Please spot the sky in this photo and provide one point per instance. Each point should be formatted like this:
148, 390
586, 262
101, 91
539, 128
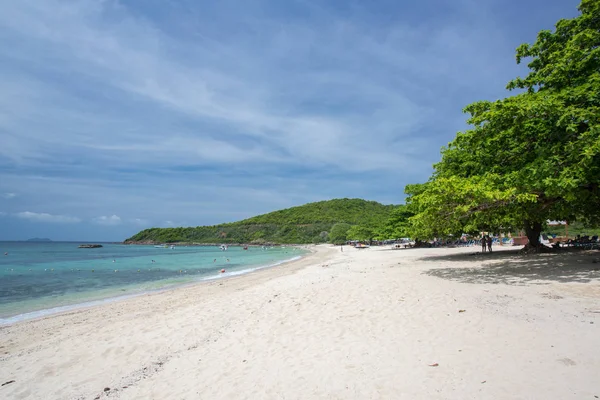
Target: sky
120, 115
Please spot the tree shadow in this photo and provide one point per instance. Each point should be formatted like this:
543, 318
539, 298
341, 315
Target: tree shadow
513, 268
477, 255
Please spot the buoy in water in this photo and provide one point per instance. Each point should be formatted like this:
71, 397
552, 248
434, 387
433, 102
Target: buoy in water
223, 270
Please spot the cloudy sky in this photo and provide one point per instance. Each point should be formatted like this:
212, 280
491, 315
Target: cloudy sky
118, 115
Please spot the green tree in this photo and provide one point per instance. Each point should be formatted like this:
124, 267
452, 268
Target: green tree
338, 232
361, 232
532, 156
397, 225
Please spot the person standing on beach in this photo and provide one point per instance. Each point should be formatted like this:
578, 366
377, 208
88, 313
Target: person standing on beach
489, 243
483, 243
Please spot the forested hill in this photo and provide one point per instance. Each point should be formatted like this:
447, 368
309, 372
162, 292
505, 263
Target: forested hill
309, 223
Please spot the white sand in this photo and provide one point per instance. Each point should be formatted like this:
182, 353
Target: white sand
366, 326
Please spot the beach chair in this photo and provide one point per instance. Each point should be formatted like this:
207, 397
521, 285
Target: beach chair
591, 243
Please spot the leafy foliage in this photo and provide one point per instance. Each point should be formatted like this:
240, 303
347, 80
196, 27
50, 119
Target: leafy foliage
397, 226
532, 156
310, 223
338, 233
361, 232
352, 211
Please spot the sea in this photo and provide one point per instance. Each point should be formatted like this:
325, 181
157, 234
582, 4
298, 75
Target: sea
41, 278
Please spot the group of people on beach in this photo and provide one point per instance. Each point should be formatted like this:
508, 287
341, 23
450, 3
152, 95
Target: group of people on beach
486, 241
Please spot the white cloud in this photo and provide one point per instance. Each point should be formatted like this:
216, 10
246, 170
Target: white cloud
9, 195
45, 217
107, 220
259, 102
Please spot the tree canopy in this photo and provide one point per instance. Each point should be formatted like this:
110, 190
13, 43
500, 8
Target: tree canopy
397, 226
361, 232
338, 233
529, 157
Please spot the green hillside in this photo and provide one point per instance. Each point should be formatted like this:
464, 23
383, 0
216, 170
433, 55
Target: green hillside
309, 223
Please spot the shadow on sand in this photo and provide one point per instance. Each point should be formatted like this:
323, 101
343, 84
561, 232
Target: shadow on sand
513, 268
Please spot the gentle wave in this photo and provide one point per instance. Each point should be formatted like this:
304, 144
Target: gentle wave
61, 309
247, 270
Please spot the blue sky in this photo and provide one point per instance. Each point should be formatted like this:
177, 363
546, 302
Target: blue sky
118, 115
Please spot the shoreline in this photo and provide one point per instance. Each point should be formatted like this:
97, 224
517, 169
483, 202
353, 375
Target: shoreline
95, 302
197, 244
359, 324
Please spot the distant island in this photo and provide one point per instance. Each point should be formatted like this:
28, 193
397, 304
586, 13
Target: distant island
38, 240
309, 223
90, 246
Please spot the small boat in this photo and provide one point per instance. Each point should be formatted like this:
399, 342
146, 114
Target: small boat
223, 247
172, 247
161, 246
83, 246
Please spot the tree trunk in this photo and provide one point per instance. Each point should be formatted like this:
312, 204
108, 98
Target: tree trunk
533, 231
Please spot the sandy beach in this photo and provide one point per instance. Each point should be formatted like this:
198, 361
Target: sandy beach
359, 324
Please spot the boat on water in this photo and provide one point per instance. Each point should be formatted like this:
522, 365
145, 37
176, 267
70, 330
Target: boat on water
161, 246
86, 246
223, 247
172, 247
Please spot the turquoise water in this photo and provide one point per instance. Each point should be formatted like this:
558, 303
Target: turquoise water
38, 278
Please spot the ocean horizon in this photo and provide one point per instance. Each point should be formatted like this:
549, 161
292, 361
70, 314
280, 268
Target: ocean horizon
43, 277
